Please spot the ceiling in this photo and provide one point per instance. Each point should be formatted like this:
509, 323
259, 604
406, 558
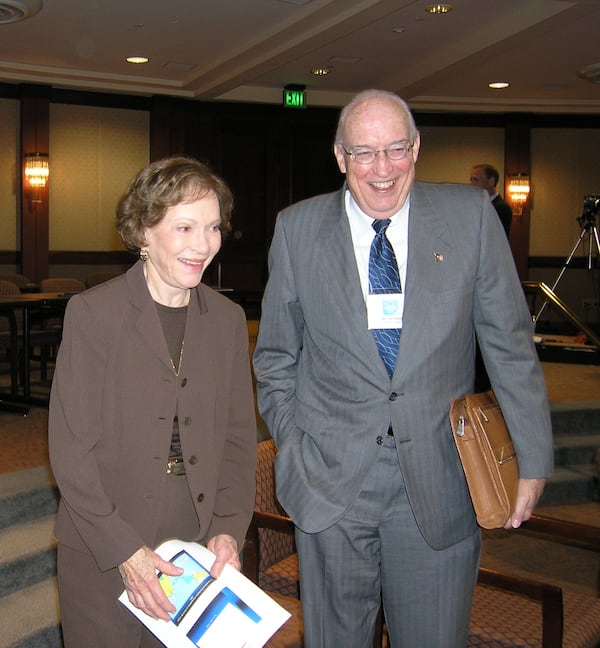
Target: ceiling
247, 50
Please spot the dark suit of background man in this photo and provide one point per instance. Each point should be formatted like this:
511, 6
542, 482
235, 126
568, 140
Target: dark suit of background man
366, 463
486, 177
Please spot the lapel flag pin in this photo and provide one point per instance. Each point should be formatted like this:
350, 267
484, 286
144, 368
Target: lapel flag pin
438, 257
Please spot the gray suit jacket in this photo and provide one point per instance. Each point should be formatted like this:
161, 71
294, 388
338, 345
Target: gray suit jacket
325, 393
112, 405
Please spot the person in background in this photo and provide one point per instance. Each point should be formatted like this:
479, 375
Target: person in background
486, 177
152, 430
374, 296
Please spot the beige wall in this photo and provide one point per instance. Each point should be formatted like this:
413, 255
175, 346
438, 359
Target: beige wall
447, 154
565, 167
94, 152
9, 146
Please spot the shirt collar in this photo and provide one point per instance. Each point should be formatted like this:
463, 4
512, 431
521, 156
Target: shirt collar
363, 222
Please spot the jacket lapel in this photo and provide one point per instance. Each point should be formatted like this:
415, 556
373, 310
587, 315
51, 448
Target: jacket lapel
147, 320
427, 241
335, 252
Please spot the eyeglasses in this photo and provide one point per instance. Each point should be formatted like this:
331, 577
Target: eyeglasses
366, 155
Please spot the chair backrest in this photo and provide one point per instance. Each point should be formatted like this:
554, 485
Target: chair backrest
266, 500
8, 288
18, 279
62, 284
274, 546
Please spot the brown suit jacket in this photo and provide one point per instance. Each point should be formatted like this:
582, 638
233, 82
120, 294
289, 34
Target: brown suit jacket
112, 404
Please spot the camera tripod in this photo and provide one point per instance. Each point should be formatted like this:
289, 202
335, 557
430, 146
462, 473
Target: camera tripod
589, 231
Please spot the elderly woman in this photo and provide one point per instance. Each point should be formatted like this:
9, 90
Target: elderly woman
152, 428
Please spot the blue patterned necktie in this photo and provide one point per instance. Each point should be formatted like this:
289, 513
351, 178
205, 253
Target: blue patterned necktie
384, 279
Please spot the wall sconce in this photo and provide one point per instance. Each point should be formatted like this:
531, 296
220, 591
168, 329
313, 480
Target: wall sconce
36, 170
518, 190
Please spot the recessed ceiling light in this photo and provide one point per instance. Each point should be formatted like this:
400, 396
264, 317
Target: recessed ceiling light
137, 59
498, 85
590, 73
12, 11
320, 71
438, 8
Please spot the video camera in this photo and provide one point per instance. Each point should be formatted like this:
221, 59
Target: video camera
591, 206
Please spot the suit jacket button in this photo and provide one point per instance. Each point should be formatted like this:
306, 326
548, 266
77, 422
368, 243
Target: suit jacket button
379, 440
187, 420
200, 497
393, 396
184, 382
193, 460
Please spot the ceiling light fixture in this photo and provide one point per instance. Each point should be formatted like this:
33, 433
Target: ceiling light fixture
590, 73
321, 71
438, 8
15, 10
137, 60
498, 85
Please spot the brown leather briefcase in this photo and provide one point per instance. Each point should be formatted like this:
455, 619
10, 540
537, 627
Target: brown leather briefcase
487, 455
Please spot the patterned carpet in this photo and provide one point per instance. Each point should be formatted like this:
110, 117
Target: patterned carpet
24, 440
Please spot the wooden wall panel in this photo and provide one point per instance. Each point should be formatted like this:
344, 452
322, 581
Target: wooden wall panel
35, 109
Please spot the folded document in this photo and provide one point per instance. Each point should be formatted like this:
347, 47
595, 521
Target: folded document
227, 612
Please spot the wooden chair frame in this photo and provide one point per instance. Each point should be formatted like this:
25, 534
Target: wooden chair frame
12, 349
549, 596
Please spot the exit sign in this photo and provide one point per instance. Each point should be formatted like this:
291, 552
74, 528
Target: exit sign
294, 98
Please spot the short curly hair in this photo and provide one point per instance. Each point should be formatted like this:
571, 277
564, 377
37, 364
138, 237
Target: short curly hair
163, 184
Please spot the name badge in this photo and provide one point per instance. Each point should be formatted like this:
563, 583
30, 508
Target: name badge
385, 311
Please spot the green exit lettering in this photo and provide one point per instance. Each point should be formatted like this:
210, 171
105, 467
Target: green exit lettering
294, 99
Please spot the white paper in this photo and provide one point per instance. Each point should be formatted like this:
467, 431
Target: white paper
229, 612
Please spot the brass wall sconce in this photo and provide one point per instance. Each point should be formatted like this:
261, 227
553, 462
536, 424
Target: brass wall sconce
36, 170
519, 189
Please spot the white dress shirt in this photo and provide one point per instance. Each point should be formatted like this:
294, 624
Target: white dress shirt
363, 234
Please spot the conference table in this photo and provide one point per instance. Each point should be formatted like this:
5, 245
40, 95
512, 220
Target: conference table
43, 305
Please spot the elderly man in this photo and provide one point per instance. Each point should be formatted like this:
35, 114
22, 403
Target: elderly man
368, 332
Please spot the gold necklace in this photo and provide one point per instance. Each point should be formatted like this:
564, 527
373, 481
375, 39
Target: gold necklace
180, 358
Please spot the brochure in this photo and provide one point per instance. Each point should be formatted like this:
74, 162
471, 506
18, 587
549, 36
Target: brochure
227, 612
